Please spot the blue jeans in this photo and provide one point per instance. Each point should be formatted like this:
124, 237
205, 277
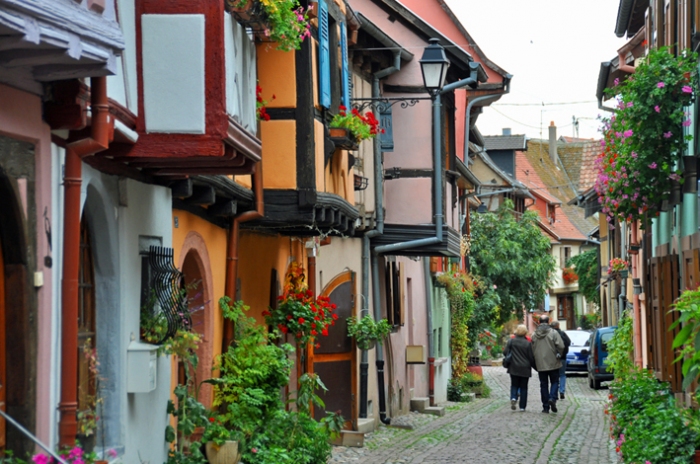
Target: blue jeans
562, 377
549, 386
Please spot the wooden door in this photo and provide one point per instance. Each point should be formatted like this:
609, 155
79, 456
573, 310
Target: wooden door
2, 350
565, 312
334, 358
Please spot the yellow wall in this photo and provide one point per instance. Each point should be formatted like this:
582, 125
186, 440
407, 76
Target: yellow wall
279, 154
277, 76
258, 255
319, 146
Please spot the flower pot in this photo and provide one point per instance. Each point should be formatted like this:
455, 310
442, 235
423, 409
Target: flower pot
624, 273
343, 139
475, 369
367, 344
224, 454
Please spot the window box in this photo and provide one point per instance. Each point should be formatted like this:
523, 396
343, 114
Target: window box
342, 138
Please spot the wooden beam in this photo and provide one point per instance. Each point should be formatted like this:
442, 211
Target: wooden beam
226, 208
202, 195
182, 188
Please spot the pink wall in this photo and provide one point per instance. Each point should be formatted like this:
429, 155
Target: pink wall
21, 118
431, 12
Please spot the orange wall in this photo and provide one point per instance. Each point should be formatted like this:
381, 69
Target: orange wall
277, 76
258, 255
279, 154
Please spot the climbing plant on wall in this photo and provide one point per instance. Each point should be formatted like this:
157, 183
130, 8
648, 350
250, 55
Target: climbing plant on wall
460, 292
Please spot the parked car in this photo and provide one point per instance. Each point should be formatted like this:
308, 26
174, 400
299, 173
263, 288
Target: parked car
597, 369
577, 357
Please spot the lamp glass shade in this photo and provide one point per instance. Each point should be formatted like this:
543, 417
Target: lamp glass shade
434, 64
482, 209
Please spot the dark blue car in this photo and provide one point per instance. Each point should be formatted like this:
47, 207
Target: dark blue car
577, 357
597, 368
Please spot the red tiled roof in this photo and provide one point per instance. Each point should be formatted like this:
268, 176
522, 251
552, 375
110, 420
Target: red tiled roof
532, 174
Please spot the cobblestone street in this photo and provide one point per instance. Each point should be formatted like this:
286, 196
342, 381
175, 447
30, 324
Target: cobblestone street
487, 431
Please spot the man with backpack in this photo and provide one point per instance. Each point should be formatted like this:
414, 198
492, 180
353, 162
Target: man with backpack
547, 347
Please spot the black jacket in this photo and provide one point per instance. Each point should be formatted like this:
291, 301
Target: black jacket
523, 360
567, 342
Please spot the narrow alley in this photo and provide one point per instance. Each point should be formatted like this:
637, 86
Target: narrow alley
486, 431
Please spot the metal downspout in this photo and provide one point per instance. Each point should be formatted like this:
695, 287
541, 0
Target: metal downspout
622, 297
429, 328
636, 282
100, 135
468, 112
233, 242
366, 253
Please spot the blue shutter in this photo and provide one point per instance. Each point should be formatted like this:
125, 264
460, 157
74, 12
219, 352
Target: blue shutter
324, 57
345, 74
386, 139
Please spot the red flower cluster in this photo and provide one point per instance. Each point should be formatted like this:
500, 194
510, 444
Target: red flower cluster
302, 315
569, 275
260, 105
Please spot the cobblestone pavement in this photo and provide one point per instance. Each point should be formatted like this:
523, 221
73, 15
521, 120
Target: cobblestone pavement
487, 431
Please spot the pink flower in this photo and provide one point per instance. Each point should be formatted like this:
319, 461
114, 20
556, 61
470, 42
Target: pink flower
628, 133
661, 85
616, 82
657, 109
42, 459
687, 89
112, 453
668, 134
687, 123
652, 165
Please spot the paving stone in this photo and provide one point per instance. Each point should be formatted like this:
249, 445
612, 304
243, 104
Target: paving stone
487, 431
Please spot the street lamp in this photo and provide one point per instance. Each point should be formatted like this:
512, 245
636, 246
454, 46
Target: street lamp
433, 65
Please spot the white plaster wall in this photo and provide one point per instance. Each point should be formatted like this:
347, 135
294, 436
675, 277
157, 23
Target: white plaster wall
173, 73
149, 213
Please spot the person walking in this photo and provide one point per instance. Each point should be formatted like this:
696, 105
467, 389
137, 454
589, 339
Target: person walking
547, 346
520, 369
562, 370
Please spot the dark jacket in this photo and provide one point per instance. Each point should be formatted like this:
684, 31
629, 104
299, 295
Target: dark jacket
546, 344
522, 360
567, 342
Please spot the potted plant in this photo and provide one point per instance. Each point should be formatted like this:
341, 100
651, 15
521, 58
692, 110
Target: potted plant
75, 455
299, 313
347, 130
618, 267
645, 138
282, 21
568, 275
221, 444
367, 332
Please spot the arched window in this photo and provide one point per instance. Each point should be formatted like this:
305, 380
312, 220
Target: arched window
87, 356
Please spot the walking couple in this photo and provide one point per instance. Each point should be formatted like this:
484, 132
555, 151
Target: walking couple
546, 354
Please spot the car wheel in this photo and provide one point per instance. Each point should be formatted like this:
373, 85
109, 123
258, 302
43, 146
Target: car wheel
590, 382
596, 384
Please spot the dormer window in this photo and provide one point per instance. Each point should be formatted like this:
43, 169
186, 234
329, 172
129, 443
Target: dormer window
551, 213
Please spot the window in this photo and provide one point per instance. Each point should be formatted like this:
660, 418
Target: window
395, 292
86, 331
334, 86
564, 255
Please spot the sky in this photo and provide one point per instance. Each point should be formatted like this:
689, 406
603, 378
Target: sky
553, 49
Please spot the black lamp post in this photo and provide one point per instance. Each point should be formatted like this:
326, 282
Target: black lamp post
433, 65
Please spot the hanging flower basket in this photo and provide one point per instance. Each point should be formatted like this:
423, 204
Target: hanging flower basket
342, 138
367, 332
647, 135
569, 276
282, 21
348, 129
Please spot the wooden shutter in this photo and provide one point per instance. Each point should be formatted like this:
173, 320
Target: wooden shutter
386, 138
345, 75
695, 16
684, 24
402, 294
387, 293
655, 312
691, 268
324, 55
396, 293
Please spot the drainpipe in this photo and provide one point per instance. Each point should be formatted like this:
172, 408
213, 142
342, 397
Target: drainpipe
467, 116
622, 297
366, 253
100, 134
636, 282
429, 328
437, 195
233, 241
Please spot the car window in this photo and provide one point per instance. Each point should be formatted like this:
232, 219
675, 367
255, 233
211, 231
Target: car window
604, 339
578, 337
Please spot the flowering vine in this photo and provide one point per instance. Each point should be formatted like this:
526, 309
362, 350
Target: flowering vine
645, 138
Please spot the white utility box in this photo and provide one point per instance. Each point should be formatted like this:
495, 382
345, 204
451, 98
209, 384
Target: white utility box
141, 367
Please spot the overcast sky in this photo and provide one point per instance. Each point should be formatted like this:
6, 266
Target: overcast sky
553, 49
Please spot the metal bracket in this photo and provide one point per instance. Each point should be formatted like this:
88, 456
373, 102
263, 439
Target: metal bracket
393, 173
382, 103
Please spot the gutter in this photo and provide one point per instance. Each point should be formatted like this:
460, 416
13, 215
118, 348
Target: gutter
101, 133
624, 13
467, 116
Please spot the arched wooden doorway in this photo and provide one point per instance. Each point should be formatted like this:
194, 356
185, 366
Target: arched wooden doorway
335, 360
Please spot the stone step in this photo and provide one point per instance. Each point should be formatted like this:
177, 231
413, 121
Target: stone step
366, 425
419, 404
435, 410
350, 438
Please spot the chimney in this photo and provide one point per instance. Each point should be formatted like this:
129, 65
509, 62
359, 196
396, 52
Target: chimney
553, 143
506, 131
